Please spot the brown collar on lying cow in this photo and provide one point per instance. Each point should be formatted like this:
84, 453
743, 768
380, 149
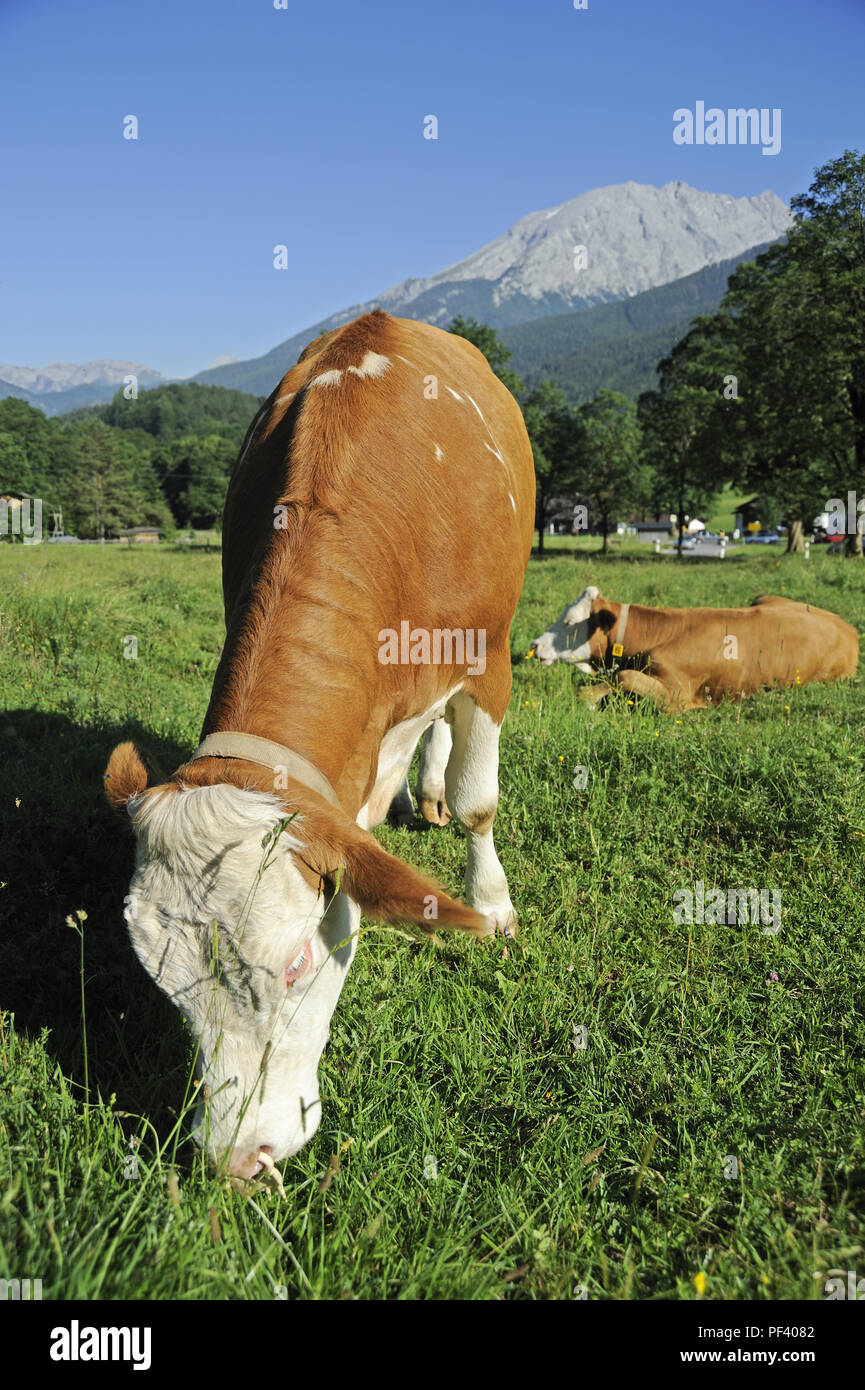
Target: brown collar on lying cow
618, 650
267, 754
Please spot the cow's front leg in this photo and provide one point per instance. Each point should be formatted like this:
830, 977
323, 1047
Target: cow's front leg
401, 810
674, 699
472, 789
435, 750
593, 694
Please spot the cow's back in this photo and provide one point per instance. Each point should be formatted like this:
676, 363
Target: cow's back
391, 445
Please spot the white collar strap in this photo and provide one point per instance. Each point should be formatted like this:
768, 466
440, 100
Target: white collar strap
621, 626
267, 754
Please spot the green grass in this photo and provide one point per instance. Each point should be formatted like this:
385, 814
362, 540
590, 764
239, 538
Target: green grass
558, 1167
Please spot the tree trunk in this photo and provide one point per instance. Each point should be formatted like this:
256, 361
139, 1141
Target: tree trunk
680, 524
796, 539
604, 520
853, 543
542, 516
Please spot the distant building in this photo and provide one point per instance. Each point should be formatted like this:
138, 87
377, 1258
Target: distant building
651, 531
150, 535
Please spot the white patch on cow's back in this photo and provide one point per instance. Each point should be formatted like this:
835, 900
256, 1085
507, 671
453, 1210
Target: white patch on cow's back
373, 364
439, 452
327, 378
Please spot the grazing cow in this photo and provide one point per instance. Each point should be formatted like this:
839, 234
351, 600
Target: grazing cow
376, 532
686, 658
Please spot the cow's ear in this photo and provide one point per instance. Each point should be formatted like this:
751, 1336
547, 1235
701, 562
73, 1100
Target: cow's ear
125, 776
386, 889
603, 618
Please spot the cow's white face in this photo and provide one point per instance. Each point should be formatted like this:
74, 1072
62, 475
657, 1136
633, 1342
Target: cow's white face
255, 959
568, 638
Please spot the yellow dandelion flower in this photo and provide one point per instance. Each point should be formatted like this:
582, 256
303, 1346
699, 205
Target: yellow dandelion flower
700, 1283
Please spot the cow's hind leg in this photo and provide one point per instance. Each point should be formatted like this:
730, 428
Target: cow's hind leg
472, 789
401, 810
435, 750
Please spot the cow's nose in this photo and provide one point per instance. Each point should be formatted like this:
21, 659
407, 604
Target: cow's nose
247, 1163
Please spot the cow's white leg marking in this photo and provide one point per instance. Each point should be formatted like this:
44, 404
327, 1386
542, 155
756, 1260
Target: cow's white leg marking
435, 750
472, 790
394, 757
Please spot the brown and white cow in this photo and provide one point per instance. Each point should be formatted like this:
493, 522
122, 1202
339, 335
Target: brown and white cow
686, 658
376, 532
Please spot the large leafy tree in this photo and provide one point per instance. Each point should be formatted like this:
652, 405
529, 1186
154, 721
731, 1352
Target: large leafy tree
113, 484
613, 475
799, 314
193, 472
689, 422
554, 439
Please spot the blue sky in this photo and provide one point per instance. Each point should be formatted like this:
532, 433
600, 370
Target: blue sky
304, 127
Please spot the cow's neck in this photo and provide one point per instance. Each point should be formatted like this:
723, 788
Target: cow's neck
285, 675
607, 632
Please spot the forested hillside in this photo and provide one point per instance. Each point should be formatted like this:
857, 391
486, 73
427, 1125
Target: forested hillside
617, 345
162, 459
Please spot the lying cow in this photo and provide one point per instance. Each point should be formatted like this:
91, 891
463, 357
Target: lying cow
686, 658
351, 570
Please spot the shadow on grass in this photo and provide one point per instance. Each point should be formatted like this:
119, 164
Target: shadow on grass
64, 850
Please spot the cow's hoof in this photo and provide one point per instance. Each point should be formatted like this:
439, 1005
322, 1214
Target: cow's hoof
434, 809
594, 694
502, 921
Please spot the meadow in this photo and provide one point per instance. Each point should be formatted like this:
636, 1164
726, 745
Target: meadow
613, 1106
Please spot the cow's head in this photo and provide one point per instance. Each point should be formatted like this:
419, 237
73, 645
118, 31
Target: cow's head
249, 925
568, 638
